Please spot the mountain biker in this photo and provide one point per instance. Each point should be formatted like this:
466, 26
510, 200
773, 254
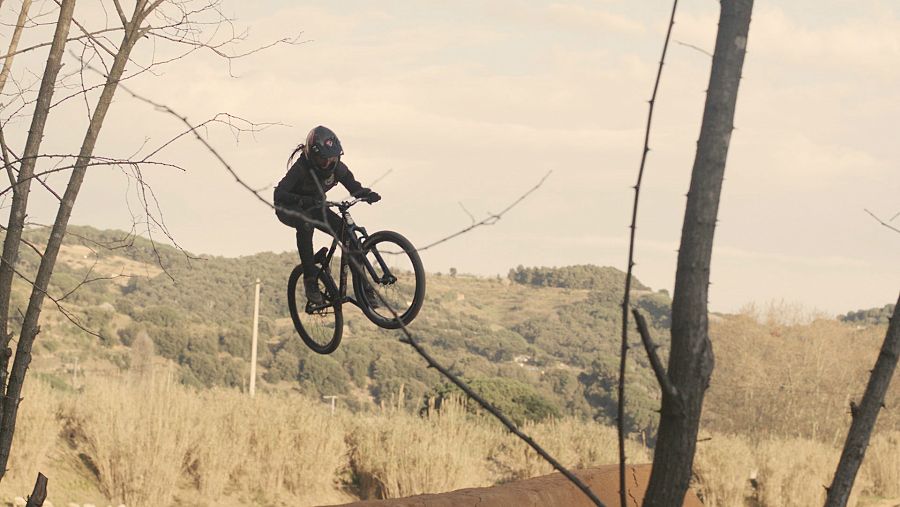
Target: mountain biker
300, 196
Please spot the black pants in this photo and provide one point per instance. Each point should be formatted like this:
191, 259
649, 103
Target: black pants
305, 231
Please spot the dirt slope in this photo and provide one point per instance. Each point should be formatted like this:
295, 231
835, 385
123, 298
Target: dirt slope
545, 491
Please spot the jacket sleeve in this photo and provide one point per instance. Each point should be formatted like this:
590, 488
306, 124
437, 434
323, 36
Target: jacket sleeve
284, 194
345, 177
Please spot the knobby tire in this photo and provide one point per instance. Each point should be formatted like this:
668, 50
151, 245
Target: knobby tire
395, 249
316, 344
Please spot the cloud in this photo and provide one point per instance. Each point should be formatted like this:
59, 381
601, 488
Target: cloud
862, 41
571, 15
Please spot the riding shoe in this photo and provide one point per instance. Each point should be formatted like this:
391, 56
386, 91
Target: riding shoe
313, 296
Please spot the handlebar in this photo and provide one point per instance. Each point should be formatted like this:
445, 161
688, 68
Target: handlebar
343, 204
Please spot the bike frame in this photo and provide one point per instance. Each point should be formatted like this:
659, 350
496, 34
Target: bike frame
350, 237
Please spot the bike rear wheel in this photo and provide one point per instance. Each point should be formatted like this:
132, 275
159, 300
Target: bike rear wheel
322, 328
398, 276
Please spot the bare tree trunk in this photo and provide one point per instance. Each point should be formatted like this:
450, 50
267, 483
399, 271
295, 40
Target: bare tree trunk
14, 42
29, 159
30, 327
865, 415
39, 494
4, 74
691, 358
23, 184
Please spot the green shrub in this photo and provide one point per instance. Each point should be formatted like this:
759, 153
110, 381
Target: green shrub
285, 366
517, 400
324, 374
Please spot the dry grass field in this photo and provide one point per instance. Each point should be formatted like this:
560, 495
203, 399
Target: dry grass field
149, 441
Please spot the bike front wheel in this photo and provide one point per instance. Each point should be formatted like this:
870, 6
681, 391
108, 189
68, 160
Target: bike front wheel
319, 328
393, 268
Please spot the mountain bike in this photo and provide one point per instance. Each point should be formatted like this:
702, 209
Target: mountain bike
383, 264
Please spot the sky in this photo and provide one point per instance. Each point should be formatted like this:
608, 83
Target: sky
466, 105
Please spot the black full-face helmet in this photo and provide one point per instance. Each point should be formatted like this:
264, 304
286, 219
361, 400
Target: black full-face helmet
322, 148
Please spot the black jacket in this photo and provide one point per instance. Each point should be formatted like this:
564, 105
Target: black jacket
301, 185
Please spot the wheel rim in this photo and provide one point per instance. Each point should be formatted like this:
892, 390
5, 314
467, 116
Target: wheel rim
397, 285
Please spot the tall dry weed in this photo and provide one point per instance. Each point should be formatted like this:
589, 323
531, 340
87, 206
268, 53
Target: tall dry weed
396, 454
573, 442
135, 434
37, 431
723, 467
279, 448
795, 472
882, 464
792, 381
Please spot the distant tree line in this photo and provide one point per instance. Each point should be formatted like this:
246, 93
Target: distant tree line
870, 317
583, 276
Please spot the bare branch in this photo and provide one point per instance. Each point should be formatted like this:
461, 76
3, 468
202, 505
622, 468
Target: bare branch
490, 219
57, 302
98, 161
882, 222
511, 426
620, 417
121, 13
91, 37
28, 243
6, 162
664, 383
226, 165
70, 39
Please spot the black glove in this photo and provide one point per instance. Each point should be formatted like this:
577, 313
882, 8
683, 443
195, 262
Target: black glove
367, 195
372, 197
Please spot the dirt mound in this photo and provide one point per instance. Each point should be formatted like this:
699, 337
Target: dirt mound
548, 490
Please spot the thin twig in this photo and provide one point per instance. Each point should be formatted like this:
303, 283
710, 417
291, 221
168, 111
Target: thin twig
27, 243
59, 306
620, 416
882, 222
698, 48
192, 129
471, 216
45, 44
378, 179
491, 219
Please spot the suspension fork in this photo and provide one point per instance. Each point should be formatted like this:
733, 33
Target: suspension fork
387, 277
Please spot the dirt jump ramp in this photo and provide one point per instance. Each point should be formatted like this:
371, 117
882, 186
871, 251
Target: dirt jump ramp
545, 491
